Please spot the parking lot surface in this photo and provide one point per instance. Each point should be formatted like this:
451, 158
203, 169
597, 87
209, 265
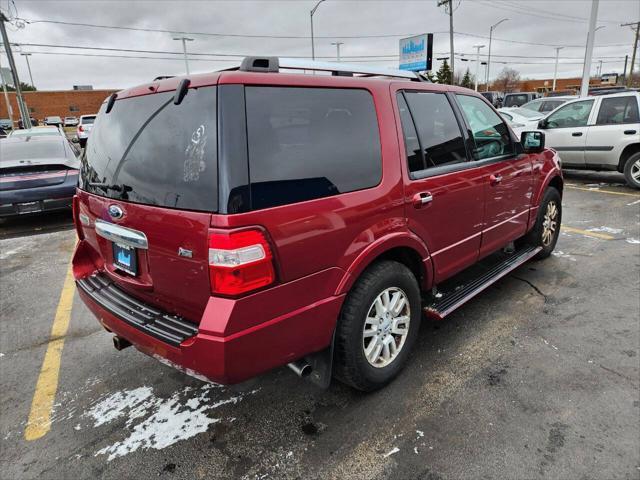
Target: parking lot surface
538, 377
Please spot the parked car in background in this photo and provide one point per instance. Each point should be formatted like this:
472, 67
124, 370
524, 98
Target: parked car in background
70, 121
6, 124
84, 128
547, 104
598, 133
34, 122
520, 118
3, 134
519, 99
38, 132
37, 174
53, 120
495, 98
239, 221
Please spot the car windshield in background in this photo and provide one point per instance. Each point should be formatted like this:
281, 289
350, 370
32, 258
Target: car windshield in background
148, 150
523, 112
87, 120
36, 132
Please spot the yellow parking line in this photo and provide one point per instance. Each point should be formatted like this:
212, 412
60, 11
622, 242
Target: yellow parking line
597, 190
587, 233
40, 416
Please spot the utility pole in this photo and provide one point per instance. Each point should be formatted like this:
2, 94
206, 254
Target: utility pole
633, 55
450, 3
489, 57
599, 68
26, 57
6, 97
555, 70
477, 47
624, 72
586, 72
24, 113
184, 50
337, 44
313, 47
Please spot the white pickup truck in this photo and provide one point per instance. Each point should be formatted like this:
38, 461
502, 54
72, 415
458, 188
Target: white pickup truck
597, 133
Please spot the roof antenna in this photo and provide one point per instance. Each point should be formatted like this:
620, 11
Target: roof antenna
181, 91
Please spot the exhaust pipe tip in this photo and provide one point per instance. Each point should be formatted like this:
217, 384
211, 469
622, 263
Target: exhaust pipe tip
300, 368
120, 343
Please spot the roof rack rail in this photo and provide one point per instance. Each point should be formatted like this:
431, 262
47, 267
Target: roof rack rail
274, 64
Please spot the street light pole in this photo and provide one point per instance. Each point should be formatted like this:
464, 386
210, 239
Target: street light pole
477, 47
313, 47
337, 44
26, 57
489, 56
555, 69
586, 72
6, 97
184, 50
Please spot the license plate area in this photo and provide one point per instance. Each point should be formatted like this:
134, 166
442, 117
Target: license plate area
125, 258
29, 207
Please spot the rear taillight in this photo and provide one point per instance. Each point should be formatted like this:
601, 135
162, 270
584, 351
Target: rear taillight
76, 217
80, 128
239, 262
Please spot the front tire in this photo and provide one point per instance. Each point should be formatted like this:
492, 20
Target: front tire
378, 326
546, 231
632, 170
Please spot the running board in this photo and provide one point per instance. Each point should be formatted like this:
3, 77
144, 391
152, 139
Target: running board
446, 304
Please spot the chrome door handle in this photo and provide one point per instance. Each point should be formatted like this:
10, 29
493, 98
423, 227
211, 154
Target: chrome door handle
495, 179
421, 199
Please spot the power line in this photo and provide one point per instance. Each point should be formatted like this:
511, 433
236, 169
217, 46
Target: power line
295, 37
504, 5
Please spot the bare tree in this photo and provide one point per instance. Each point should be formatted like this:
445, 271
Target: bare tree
508, 80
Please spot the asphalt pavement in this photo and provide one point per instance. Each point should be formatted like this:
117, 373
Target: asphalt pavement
538, 377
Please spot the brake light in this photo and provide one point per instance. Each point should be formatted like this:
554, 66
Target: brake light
80, 128
76, 216
239, 262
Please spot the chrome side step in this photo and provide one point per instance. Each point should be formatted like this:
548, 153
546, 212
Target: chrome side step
443, 306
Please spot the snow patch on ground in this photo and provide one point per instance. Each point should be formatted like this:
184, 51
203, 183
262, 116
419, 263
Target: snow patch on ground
633, 203
392, 452
633, 241
605, 230
155, 422
561, 254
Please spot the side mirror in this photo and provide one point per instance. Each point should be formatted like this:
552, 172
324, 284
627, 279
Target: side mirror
542, 124
532, 142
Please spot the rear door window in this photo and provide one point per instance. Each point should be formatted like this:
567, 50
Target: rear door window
148, 150
618, 111
439, 134
307, 143
490, 133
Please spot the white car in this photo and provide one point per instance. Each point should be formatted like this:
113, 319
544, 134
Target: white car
38, 132
597, 133
548, 104
519, 118
84, 128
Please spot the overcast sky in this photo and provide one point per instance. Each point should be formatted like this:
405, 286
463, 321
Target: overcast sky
557, 22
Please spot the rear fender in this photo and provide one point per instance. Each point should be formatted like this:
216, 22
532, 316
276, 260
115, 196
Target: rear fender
378, 248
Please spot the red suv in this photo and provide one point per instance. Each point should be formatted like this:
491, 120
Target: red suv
238, 221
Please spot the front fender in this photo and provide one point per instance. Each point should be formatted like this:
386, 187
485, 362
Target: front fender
381, 245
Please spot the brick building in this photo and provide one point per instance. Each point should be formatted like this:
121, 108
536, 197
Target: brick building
64, 103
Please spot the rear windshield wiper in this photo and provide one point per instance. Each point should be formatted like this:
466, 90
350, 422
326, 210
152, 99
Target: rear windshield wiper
106, 186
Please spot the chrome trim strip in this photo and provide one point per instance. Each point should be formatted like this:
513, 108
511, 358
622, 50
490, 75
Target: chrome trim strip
123, 235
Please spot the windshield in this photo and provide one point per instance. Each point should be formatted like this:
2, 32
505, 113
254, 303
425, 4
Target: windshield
148, 150
87, 120
36, 132
523, 112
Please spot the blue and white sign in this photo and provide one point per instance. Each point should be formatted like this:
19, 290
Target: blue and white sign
416, 53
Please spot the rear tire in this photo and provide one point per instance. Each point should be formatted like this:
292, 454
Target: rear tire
632, 170
372, 342
546, 231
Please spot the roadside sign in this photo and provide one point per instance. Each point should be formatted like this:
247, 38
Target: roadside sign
416, 53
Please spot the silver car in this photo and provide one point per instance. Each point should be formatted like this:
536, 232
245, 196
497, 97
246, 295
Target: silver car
84, 128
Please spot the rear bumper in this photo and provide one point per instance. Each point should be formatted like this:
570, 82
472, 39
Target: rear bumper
46, 198
231, 358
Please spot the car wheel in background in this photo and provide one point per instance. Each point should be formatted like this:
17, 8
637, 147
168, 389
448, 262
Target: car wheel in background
378, 326
632, 170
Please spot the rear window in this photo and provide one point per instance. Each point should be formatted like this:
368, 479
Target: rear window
516, 100
87, 120
148, 150
307, 143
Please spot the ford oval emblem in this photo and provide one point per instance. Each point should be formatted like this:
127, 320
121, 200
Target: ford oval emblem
115, 212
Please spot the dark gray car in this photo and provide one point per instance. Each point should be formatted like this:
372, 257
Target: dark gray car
36, 174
